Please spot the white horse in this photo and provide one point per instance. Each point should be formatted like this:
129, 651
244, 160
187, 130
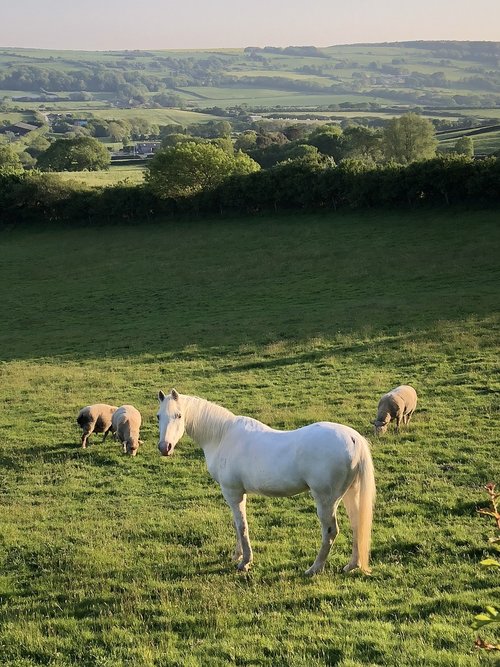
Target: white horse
245, 456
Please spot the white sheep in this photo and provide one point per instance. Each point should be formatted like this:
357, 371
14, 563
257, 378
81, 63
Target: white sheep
398, 404
95, 419
125, 426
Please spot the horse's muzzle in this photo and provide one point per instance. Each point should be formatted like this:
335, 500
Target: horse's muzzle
166, 448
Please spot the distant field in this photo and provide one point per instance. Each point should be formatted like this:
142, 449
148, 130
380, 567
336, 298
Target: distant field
109, 561
297, 76
484, 143
367, 72
115, 174
160, 116
12, 116
352, 115
493, 114
261, 97
64, 106
487, 143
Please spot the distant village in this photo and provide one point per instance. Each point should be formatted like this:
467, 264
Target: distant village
18, 130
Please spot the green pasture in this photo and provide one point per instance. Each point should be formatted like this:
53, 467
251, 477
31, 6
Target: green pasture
485, 143
15, 93
113, 561
13, 116
488, 114
294, 76
262, 97
115, 174
87, 107
160, 116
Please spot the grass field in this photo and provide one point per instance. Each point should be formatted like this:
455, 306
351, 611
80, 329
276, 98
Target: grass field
113, 561
160, 116
115, 174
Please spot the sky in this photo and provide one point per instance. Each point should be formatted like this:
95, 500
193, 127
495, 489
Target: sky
189, 24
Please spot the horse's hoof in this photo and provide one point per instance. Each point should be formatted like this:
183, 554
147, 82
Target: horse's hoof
349, 567
313, 570
243, 567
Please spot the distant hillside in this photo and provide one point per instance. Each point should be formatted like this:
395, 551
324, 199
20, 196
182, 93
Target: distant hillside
427, 74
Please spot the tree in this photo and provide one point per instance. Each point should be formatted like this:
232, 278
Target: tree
79, 154
212, 129
118, 131
189, 168
37, 145
409, 138
362, 143
246, 140
9, 159
328, 140
464, 146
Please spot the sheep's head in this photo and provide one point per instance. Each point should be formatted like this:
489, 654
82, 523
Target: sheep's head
380, 426
131, 446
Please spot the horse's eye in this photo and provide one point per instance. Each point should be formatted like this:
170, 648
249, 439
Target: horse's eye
178, 415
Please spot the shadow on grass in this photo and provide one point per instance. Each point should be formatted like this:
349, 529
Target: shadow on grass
251, 283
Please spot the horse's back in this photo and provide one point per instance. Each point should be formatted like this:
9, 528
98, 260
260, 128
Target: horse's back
287, 462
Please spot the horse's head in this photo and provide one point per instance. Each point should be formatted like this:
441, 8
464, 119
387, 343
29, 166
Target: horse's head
170, 421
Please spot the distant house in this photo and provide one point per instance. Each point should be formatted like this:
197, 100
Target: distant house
147, 147
18, 129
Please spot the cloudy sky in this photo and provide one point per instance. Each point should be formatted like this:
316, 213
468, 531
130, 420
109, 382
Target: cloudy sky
169, 24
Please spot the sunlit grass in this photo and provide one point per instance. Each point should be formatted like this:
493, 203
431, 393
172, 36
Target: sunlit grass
112, 561
131, 174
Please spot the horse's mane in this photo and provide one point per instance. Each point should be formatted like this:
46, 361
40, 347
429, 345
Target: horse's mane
205, 419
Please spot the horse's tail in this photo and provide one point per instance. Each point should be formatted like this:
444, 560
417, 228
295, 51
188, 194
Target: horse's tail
367, 492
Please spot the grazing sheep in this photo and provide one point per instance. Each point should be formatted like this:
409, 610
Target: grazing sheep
398, 404
126, 425
95, 419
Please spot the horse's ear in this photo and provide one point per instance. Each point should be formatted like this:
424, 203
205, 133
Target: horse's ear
175, 395
161, 396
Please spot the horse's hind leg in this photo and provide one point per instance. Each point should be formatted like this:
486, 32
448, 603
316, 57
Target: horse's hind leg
351, 503
238, 552
326, 508
237, 501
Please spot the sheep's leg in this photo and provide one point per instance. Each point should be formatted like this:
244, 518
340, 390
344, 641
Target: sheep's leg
85, 436
106, 435
409, 416
399, 419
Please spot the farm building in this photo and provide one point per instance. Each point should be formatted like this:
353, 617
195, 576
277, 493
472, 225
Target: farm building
18, 129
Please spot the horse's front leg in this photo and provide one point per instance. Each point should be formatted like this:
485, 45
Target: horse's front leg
237, 501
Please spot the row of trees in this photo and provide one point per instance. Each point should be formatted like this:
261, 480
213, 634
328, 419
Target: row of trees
404, 140
295, 186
